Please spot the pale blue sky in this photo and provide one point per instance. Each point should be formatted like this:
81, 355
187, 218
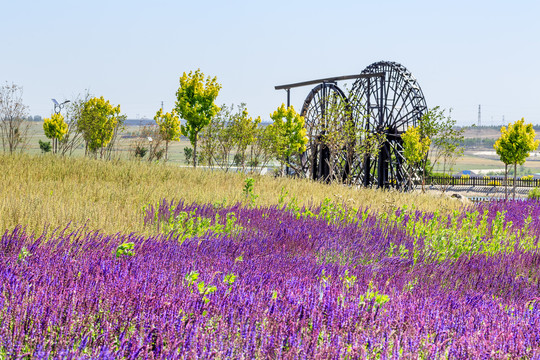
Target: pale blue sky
463, 53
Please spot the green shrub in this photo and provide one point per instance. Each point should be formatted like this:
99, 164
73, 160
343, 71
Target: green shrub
45, 146
140, 151
534, 194
188, 154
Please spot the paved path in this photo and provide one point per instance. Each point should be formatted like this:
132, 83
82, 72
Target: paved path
482, 191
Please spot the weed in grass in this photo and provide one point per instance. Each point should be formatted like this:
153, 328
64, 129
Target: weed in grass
125, 249
250, 196
185, 225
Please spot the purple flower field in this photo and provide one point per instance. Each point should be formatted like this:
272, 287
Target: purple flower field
279, 283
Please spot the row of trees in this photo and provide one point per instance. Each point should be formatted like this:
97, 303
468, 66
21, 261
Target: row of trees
92, 120
226, 134
220, 132
437, 132
223, 136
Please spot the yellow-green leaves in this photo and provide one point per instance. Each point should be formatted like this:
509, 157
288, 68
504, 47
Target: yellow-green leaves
97, 123
195, 104
514, 146
244, 130
55, 127
169, 127
516, 142
289, 132
415, 148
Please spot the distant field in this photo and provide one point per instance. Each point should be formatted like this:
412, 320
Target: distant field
471, 162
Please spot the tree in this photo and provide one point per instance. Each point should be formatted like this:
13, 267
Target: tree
244, 128
218, 138
226, 141
195, 104
415, 149
289, 133
73, 138
226, 132
169, 128
261, 153
98, 122
108, 150
209, 143
149, 141
514, 146
446, 141
44, 146
337, 133
345, 139
55, 128
13, 126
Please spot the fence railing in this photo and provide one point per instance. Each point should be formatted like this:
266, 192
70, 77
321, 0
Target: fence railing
481, 181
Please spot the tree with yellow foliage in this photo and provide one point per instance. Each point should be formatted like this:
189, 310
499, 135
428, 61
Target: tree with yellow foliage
169, 128
98, 122
289, 132
514, 146
244, 129
195, 104
415, 149
55, 128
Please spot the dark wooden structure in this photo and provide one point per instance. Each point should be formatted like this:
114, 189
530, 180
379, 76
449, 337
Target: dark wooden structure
384, 99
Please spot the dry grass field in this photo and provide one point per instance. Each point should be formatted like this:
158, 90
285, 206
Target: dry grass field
49, 191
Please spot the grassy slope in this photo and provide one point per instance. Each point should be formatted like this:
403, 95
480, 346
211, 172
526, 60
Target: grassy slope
39, 191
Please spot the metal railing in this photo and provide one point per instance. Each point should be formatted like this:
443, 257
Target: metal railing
481, 181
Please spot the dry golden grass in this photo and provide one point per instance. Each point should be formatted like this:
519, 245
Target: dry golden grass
51, 191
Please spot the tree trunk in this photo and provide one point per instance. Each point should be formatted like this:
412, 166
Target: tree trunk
195, 152
423, 178
505, 181
515, 174
166, 150
251, 157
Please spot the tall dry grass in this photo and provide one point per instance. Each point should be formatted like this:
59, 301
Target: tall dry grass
48, 191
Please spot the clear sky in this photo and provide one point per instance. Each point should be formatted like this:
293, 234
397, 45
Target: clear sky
463, 53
